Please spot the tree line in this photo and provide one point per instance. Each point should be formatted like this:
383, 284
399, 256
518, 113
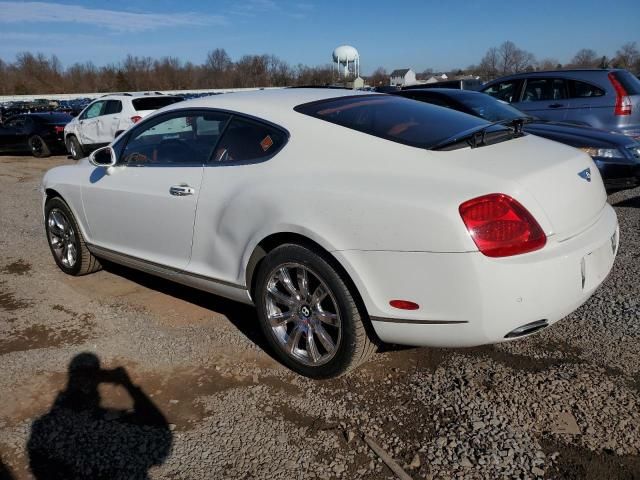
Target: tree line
508, 58
37, 73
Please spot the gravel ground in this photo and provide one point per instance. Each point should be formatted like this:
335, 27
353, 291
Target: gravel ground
122, 375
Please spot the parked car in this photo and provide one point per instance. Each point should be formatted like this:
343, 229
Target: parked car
605, 99
617, 156
107, 117
345, 218
460, 84
38, 133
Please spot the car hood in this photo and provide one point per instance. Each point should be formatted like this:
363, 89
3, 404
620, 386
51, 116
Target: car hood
578, 135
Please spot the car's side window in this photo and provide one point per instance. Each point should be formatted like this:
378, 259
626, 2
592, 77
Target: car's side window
248, 141
113, 106
544, 89
584, 90
506, 91
16, 122
94, 110
186, 138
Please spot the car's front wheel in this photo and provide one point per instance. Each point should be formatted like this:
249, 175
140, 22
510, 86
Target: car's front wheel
308, 313
66, 241
74, 148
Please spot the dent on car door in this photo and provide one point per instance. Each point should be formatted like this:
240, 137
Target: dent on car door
226, 219
546, 98
108, 121
145, 206
89, 123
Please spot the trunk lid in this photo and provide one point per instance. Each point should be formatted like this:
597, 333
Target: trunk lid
564, 181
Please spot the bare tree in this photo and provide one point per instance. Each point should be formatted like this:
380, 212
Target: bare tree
548, 64
585, 58
628, 57
379, 77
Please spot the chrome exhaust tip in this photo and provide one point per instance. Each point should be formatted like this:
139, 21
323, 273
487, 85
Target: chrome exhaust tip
527, 329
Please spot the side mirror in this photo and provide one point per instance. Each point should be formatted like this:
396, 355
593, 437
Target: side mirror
103, 157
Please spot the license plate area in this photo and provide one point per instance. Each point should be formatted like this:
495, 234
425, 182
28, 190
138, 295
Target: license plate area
595, 266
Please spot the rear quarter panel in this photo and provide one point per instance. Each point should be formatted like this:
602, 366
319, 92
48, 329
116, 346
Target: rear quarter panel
351, 191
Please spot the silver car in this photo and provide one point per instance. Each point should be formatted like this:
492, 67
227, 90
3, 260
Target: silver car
608, 99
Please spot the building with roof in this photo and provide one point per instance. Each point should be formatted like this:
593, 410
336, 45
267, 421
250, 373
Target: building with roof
401, 77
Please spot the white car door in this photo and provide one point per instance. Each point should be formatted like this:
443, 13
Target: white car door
109, 120
88, 123
145, 206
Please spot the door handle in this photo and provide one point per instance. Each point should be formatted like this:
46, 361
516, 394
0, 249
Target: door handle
556, 105
181, 190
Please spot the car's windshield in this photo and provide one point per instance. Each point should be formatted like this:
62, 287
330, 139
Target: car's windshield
394, 118
488, 107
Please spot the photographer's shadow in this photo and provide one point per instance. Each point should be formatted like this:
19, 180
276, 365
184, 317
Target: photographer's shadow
78, 438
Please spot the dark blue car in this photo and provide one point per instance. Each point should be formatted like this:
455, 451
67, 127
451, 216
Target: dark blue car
617, 156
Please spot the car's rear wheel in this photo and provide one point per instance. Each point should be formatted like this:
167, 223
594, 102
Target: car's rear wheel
38, 147
309, 315
66, 241
74, 148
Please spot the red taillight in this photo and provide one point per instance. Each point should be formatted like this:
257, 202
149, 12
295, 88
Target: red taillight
404, 304
623, 101
58, 129
136, 118
500, 226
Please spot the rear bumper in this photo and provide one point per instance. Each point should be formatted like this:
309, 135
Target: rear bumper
468, 299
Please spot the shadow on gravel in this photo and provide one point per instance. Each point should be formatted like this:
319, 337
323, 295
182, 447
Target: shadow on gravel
577, 463
633, 202
78, 438
5, 472
243, 317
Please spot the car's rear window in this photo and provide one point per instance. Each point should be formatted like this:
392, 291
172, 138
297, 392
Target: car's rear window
630, 83
398, 119
154, 103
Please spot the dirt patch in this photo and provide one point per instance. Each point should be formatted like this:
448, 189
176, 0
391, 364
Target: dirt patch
41, 336
9, 303
576, 463
19, 267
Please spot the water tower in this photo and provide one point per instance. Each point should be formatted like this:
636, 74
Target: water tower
347, 61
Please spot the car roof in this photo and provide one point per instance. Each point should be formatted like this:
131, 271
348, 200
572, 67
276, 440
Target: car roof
450, 92
275, 105
133, 96
557, 73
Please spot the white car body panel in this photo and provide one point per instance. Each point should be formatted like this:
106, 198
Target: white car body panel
132, 202
387, 212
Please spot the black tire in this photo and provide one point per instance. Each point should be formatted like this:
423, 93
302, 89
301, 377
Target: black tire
355, 344
38, 147
74, 148
85, 262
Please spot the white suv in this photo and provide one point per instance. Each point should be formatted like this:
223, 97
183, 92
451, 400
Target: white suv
105, 118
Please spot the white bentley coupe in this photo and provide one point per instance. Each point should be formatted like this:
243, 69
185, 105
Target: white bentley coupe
346, 219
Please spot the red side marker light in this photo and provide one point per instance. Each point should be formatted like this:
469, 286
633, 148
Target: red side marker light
136, 118
404, 305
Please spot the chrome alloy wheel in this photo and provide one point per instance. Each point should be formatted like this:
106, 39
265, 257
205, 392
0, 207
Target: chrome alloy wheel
62, 238
72, 149
303, 314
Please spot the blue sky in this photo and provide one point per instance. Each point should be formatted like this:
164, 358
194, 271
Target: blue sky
412, 33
